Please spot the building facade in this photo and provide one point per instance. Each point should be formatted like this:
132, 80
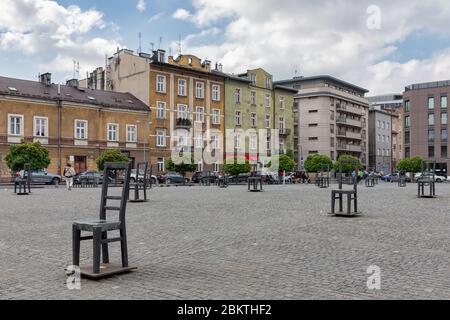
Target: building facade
380, 141
253, 102
74, 124
331, 118
426, 123
187, 100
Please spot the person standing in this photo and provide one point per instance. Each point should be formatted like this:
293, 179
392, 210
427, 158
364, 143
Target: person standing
69, 173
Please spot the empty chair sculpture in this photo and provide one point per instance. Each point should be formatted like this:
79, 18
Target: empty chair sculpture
223, 181
402, 180
22, 183
352, 195
255, 181
323, 180
427, 182
101, 227
370, 181
140, 182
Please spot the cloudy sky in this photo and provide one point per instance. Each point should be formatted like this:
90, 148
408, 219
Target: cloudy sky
383, 47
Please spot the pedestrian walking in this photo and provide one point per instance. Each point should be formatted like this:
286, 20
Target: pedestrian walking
69, 173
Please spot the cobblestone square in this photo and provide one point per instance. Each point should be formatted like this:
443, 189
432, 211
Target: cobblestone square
211, 243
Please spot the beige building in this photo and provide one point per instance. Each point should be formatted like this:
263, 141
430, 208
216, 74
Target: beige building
331, 118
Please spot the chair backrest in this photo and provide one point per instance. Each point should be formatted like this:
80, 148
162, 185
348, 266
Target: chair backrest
325, 170
27, 171
142, 167
353, 180
115, 167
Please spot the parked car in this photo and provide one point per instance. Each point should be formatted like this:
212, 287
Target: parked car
87, 175
141, 177
270, 179
199, 175
241, 177
41, 177
394, 177
437, 178
172, 177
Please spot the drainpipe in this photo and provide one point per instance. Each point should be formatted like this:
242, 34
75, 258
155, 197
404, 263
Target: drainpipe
59, 105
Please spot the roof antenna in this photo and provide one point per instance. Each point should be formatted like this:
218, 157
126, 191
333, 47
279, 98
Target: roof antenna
160, 42
76, 69
179, 45
140, 42
153, 46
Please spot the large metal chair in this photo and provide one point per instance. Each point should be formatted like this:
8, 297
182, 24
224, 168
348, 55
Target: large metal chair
255, 181
101, 227
140, 184
352, 195
427, 181
323, 180
22, 183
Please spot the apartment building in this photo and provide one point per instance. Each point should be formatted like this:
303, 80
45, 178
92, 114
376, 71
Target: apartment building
393, 104
75, 124
331, 118
187, 100
380, 141
253, 102
426, 122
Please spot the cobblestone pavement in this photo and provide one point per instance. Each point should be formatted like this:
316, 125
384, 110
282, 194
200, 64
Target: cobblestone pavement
211, 243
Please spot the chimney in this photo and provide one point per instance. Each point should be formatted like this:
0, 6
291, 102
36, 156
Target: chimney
46, 79
159, 55
72, 83
220, 67
207, 65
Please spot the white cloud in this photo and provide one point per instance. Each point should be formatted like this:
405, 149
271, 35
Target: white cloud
181, 14
141, 6
156, 17
43, 29
320, 37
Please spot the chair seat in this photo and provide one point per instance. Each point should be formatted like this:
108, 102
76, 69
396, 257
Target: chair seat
103, 224
344, 191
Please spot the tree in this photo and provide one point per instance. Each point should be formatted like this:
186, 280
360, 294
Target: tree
412, 165
181, 168
315, 162
110, 156
347, 167
236, 168
33, 153
285, 163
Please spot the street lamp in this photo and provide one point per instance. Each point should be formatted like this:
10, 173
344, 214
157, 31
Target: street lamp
147, 138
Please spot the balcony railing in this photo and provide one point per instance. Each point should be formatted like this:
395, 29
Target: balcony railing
349, 148
184, 123
349, 109
349, 122
285, 132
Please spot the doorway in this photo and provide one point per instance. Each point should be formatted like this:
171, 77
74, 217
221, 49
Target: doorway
80, 164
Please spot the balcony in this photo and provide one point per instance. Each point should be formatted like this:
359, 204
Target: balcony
184, 123
349, 122
349, 148
285, 132
349, 109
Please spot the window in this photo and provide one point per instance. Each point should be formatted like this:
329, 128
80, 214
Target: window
238, 118
431, 119
331, 115
268, 144
216, 166
431, 103
281, 123
253, 79
216, 116
253, 142
431, 135
200, 166
113, 132
198, 141
181, 87
313, 125
444, 135
237, 141
161, 138
216, 92
384, 125
316, 111
313, 138
182, 111
161, 84
268, 100
268, 122
200, 114
253, 98
216, 141
407, 106
407, 122
332, 128
443, 102
332, 142
379, 138
379, 124
444, 119
161, 167
16, 125
431, 152
253, 120
267, 81
237, 96
379, 152
282, 103
41, 127
199, 90
131, 133
81, 131
160, 110
444, 152
407, 137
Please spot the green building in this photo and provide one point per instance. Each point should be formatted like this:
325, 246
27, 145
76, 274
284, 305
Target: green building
252, 101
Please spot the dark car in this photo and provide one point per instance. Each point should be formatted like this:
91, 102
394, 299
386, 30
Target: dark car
393, 177
241, 177
200, 175
172, 177
88, 176
41, 177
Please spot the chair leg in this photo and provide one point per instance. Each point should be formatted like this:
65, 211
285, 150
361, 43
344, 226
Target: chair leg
333, 203
76, 239
356, 202
97, 243
341, 205
349, 204
105, 251
124, 247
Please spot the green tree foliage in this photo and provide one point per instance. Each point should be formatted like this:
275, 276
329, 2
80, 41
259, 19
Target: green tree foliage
110, 156
285, 163
412, 165
236, 168
315, 162
33, 153
181, 168
347, 167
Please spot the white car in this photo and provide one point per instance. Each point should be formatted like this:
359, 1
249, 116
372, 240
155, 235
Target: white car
438, 178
